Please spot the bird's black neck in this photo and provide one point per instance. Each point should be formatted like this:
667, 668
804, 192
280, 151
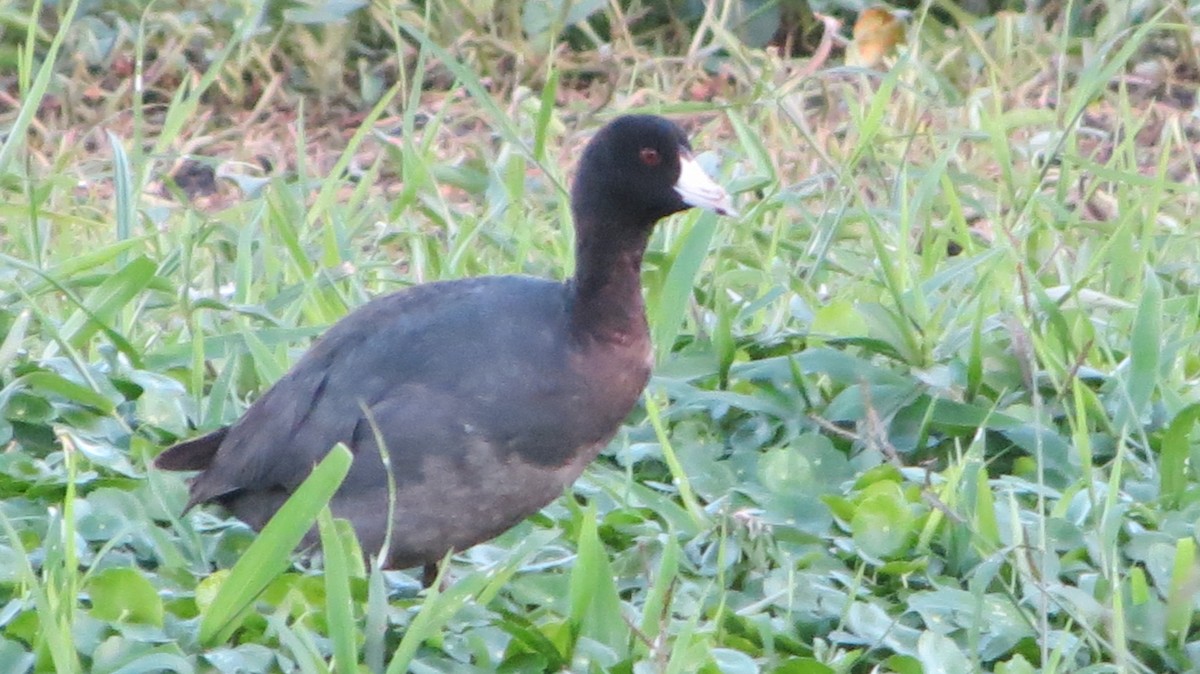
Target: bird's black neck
607, 287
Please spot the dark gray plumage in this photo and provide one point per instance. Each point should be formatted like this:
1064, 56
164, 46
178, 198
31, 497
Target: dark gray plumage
491, 394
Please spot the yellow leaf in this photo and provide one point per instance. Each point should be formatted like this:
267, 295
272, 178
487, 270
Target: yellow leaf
876, 34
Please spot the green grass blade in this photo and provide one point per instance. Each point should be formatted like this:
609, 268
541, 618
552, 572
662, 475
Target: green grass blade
541, 127
667, 307
54, 635
31, 99
79, 263
655, 608
270, 367
325, 197
270, 553
678, 474
376, 628
595, 603
123, 189
1173, 457
1145, 346
55, 384
1185, 584
184, 103
101, 306
339, 610
437, 609
11, 346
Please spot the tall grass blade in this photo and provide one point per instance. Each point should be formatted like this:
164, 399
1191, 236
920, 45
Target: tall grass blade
339, 610
595, 604
656, 607
270, 553
124, 190
101, 306
1185, 586
1144, 347
437, 609
666, 308
31, 99
1173, 470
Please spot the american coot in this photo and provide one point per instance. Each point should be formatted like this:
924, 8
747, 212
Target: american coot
490, 394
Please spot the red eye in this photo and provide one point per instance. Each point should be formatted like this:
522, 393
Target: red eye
650, 156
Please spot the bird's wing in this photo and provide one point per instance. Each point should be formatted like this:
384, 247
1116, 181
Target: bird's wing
425, 339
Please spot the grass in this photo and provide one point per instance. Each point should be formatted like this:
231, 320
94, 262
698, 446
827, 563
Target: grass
859, 452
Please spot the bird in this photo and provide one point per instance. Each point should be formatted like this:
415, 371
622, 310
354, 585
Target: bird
489, 395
